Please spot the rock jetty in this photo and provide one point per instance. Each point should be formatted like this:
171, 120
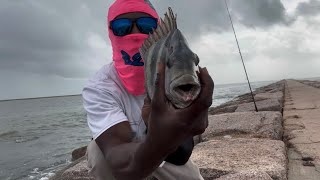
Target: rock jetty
302, 129
281, 141
240, 143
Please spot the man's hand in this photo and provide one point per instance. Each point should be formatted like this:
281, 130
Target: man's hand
146, 109
168, 126
167, 129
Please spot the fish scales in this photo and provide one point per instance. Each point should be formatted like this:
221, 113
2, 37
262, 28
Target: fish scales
168, 45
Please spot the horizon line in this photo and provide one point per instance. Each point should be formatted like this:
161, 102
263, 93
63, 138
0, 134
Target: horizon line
68, 95
40, 97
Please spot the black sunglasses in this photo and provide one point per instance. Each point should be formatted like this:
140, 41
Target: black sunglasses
123, 26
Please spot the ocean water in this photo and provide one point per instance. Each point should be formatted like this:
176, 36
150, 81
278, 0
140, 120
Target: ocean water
37, 136
226, 92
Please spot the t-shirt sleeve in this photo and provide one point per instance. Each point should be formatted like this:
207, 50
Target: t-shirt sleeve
103, 110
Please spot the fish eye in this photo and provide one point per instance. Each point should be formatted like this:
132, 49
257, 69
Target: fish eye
196, 59
169, 62
170, 50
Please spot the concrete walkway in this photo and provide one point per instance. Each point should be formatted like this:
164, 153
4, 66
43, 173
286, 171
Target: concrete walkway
302, 130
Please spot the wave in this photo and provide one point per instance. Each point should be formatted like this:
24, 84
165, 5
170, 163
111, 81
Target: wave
47, 173
225, 96
8, 134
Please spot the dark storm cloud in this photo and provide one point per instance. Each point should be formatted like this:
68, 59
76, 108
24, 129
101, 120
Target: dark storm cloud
309, 8
209, 15
45, 37
195, 17
263, 13
50, 37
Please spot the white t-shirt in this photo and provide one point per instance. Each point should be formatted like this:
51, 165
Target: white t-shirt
107, 103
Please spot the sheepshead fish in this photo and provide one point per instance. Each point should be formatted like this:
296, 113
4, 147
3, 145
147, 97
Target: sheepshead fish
167, 44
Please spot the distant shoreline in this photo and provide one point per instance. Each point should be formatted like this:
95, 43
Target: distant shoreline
310, 78
44, 97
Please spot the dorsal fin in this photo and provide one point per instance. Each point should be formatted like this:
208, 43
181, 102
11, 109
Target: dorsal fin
166, 26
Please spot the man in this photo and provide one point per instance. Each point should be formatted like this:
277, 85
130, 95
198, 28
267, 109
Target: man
123, 148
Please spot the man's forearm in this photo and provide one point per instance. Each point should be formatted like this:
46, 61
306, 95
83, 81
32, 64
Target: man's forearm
136, 160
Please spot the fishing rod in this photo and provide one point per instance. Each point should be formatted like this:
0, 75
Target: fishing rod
235, 35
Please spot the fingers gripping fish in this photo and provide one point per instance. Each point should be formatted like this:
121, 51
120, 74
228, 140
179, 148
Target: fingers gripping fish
168, 45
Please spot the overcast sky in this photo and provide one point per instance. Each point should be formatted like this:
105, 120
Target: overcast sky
52, 47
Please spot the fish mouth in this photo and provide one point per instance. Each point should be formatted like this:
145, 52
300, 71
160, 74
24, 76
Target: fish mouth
184, 90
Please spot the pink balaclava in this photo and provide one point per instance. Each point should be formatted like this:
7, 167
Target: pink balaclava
126, 56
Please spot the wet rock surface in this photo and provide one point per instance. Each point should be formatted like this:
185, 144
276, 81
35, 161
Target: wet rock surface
77, 170
78, 153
